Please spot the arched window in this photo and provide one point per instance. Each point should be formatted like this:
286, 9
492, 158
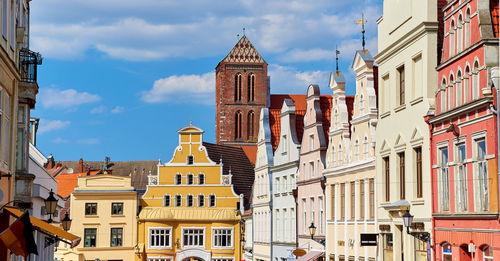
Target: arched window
190, 179
366, 147
356, 149
178, 200
201, 200
237, 125
251, 87
466, 84
467, 28
487, 253
361, 104
237, 87
459, 89
178, 179
336, 117
201, 179
333, 152
166, 201
451, 104
340, 155
189, 201
475, 81
443, 95
452, 38
447, 251
459, 33
190, 160
251, 126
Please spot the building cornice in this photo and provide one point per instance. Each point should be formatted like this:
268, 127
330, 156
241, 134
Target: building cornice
284, 166
309, 181
492, 42
462, 109
350, 168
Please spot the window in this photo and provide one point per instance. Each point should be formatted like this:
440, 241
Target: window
90, 209
212, 201
467, 28
320, 215
459, 89
311, 169
222, 237
481, 169
237, 127
402, 177
459, 34
201, 200
475, 81
178, 179
166, 201
116, 237
366, 146
356, 150
461, 177
361, 199
237, 87
387, 179
251, 126
178, 200
418, 166
160, 237
190, 179
201, 179
341, 159
332, 204
116, 208
487, 253
192, 237
417, 77
283, 144
342, 201
311, 209
444, 180
385, 96
388, 247
447, 252
466, 85
251, 87
451, 105
371, 185
401, 86
452, 38
443, 95
21, 158
90, 237
304, 216
190, 160
4, 18
353, 200
189, 200
311, 142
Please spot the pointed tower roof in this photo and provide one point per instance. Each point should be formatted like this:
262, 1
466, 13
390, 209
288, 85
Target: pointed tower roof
243, 52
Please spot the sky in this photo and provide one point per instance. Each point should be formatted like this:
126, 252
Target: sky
120, 77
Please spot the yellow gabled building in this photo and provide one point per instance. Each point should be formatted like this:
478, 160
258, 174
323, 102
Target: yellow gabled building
191, 209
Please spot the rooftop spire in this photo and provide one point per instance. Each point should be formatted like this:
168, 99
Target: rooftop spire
362, 22
337, 52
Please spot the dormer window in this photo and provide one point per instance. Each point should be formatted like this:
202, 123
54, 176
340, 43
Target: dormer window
190, 160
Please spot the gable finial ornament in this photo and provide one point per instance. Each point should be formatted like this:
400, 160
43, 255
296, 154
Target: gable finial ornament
362, 22
243, 31
337, 52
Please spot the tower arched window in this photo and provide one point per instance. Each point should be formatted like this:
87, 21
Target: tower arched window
475, 81
459, 89
459, 33
251, 87
251, 126
237, 87
467, 28
452, 38
237, 123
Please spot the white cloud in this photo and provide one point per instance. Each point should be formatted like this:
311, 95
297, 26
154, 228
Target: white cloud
182, 89
89, 141
60, 140
117, 109
52, 125
55, 98
287, 79
99, 109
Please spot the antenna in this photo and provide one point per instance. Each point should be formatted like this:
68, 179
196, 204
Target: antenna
337, 52
362, 22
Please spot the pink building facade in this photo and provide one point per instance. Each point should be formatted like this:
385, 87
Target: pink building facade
464, 135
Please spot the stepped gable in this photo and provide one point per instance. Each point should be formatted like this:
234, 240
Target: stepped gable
243, 52
241, 168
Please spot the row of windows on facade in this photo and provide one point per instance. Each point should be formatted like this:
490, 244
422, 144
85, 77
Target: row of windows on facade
358, 197
459, 91
190, 179
284, 225
116, 208
337, 156
238, 128
459, 34
461, 166
261, 219
238, 87
189, 201
161, 238
9, 22
281, 184
311, 211
485, 251
388, 245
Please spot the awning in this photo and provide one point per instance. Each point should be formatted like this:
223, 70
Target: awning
47, 228
312, 255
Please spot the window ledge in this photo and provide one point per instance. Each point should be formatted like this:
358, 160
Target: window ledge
418, 202
400, 108
385, 114
118, 215
417, 100
91, 216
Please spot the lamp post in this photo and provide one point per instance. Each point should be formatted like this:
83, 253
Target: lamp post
408, 221
312, 230
66, 222
50, 205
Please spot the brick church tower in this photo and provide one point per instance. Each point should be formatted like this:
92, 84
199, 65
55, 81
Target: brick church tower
242, 89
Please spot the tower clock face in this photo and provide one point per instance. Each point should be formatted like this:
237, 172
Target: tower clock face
226, 181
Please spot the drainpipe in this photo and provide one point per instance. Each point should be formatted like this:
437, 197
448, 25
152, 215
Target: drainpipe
495, 75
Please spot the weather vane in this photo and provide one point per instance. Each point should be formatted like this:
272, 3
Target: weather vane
337, 52
362, 22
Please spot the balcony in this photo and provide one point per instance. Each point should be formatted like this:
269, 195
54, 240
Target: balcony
28, 87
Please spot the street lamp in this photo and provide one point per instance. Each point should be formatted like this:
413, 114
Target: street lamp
312, 230
50, 205
66, 222
408, 221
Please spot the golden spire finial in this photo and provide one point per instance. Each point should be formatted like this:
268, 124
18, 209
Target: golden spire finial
362, 22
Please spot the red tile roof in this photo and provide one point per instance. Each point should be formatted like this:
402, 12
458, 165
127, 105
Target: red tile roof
494, 16
67, 182
326, 109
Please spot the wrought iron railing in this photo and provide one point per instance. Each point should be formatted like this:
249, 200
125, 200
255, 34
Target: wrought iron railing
28, 62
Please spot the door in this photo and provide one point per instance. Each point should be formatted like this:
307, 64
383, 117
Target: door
464, 253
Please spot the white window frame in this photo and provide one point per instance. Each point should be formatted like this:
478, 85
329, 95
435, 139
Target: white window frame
187, 200
210, 201
199, 201
183, 229
175, 201
169, 200
169, 246
231, 246
443, 167
461, 196
479, 199
204, 179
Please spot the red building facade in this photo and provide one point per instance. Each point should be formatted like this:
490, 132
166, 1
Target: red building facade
464, 135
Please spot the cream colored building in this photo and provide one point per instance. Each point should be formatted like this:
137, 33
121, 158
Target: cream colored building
408, 53
103, 209
350, 167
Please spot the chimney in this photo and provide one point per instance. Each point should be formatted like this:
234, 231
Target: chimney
50, 162
80, 165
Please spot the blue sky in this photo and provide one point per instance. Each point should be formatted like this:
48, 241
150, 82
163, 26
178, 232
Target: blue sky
120, 77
